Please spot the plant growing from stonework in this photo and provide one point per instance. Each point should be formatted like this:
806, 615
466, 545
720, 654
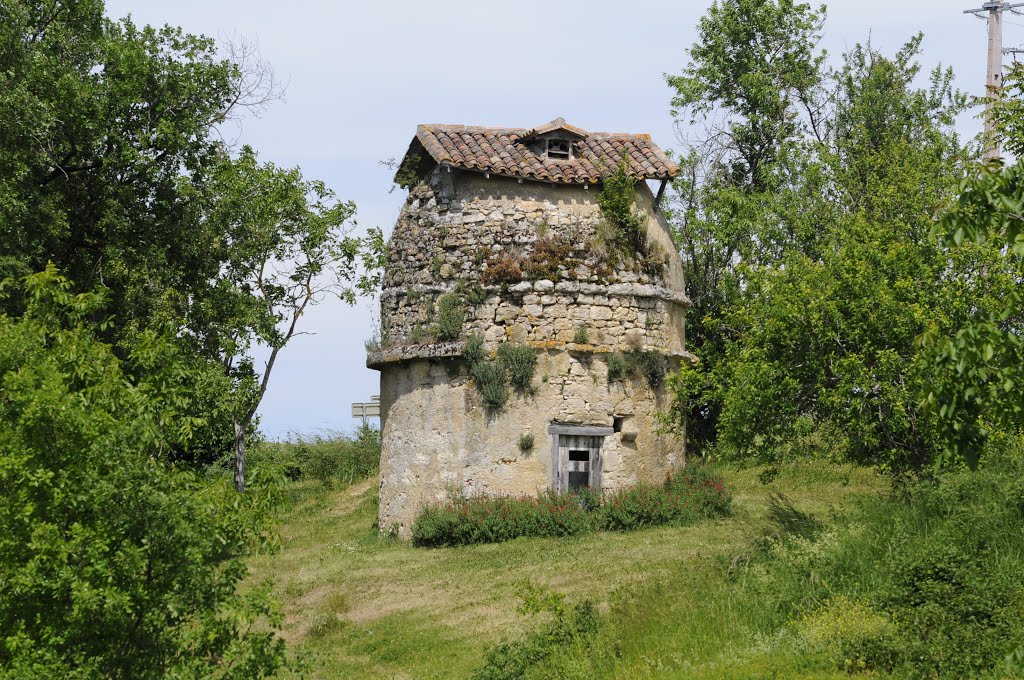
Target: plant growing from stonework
616, 199
636, 363
502, 269
581, 337
451, 314
490, 382
514, 364
473, 352
519, 361
526, 442
549, 256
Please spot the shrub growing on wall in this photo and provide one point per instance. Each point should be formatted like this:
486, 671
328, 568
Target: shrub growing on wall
515, 364
519, 362
653, 366
451, 313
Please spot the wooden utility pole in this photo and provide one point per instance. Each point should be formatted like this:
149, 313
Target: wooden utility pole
994, 75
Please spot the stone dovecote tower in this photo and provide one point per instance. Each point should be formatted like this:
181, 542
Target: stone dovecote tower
502, 245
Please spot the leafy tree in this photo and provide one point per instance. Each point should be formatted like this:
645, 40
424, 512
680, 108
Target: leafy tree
980, 360
814, 277
284, 246
112, 167
754, 69
113, 562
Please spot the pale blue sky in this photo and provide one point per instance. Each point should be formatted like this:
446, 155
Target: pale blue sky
362, 75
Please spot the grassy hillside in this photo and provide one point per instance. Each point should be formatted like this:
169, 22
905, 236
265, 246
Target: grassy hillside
358, 605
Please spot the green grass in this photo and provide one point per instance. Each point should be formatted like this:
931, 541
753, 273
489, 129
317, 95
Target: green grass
360, 605
930, 585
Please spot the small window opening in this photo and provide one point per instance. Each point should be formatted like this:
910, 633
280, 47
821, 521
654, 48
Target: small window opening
617, 423
579, 469
559, 149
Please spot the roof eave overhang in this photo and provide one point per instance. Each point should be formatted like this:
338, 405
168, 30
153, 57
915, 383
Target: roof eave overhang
545, 180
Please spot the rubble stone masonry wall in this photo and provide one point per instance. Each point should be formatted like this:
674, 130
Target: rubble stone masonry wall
455, 228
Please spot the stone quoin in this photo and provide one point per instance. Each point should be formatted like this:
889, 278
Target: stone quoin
502, 241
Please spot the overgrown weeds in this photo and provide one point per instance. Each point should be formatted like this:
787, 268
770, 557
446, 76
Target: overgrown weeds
333, 459
637, 363
514, 364
684, 497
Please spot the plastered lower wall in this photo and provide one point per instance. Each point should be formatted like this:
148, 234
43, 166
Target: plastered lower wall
438, 438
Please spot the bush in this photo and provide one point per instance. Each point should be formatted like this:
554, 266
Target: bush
519, 361
114, 562
691, 494
451, 313
683, 498
333, 459
487, 519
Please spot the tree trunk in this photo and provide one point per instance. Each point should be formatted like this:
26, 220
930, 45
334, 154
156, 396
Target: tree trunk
239, 455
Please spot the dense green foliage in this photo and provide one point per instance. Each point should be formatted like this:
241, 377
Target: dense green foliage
692, 494
981, 362
810, 262
335, 460
113, 562
112, 167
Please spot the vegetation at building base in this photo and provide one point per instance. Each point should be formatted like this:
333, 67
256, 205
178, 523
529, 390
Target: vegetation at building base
514, 365
693, 493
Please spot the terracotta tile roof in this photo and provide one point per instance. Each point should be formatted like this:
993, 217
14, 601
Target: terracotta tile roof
504, 151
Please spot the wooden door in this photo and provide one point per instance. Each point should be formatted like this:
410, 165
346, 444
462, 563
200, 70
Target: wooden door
579, 462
